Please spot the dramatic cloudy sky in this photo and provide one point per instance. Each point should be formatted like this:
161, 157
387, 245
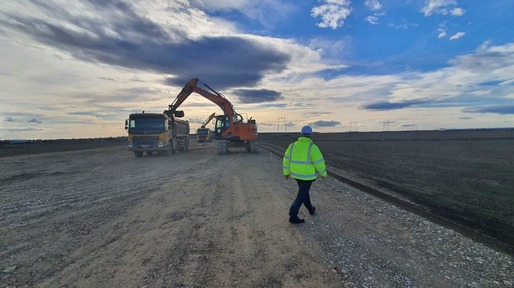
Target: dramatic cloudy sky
76, 69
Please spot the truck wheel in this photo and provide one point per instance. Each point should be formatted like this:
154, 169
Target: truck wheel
254, 147
181, 145
169, 150
138, 154
174, 146
222, 147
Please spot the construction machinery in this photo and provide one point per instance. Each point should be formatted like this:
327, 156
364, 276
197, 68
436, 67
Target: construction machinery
157, 132
230, 128
205, 134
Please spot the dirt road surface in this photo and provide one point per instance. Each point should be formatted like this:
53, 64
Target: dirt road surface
103, 218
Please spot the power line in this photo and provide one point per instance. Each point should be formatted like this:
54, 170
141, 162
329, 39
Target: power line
283, 121
353, 125
385, 125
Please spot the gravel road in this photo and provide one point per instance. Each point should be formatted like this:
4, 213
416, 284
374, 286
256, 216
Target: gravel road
103, 218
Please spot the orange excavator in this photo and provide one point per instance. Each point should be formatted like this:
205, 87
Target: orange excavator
230, 128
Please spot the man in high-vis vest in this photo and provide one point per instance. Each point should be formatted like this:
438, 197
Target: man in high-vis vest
304, 162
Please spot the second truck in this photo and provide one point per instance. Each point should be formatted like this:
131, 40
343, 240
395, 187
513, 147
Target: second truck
205, 134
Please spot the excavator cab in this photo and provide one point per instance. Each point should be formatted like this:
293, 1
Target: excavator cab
222, 124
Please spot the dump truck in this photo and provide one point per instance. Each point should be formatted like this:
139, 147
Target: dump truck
205, 134
157, 133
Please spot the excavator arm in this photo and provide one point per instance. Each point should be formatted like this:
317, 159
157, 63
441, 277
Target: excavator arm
184, 93
215, 97
208, 120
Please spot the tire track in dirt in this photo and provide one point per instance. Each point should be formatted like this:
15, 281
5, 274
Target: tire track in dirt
242, 244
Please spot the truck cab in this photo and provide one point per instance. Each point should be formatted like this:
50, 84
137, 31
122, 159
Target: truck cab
155, 132
204, 135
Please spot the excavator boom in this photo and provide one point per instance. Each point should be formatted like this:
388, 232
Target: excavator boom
208, 120
216, 98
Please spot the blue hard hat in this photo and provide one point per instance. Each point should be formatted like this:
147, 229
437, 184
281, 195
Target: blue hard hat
306, 130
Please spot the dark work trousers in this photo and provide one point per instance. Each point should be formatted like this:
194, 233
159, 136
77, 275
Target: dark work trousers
303, 197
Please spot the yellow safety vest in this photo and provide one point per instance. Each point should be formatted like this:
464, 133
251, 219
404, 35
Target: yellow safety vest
303, 160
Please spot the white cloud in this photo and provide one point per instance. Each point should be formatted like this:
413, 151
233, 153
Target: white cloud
304, 60
457, 12
333, 13
191, 22
373, 5
457, 35
331, 49
215, 5
442, 7
463, 78
401, 25
372, 20
442, 33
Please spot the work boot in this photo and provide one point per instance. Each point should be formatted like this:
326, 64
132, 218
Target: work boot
313, 211
296, 220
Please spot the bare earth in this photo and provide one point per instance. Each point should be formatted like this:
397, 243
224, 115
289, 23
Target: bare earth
103, 218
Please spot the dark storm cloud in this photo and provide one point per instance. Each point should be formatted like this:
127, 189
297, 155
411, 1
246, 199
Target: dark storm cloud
386, 105
134, 42
82, 113
490, 83
19, 129
11, 119
34, 120
323, 123
273, 105
508, 109
256, 95
223, 62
